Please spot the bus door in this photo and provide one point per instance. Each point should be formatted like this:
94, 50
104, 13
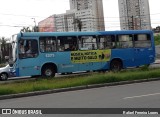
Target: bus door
142, 50
28, 64
124, 50
67, 46
88, 54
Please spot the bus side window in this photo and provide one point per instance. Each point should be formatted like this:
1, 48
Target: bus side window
47, 44
21, 47
28, 49
88, 43
107, 42
31, 48
124, 41
67, 43
142, 41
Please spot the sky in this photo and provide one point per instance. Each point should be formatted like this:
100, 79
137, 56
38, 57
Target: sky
15, 14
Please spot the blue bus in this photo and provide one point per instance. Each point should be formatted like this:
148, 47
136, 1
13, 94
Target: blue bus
48, 53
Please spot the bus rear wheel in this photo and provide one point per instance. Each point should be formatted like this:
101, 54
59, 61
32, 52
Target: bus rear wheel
116, 65
48, 71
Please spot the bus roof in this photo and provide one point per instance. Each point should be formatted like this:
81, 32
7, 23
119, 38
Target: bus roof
35, 34
126, 32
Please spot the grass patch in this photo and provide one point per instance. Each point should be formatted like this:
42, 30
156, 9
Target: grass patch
157, 40
95, 78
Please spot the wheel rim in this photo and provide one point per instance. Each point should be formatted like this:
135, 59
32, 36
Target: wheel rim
4, 76
48, 72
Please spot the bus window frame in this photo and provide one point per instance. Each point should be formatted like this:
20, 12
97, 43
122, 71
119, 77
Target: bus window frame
122, 46
25, 55
82, 42
44, 49
70, 45
148, 37
113, 46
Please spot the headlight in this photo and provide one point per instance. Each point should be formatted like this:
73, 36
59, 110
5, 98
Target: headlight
10, 69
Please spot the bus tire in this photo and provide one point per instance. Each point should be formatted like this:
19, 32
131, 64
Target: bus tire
48, 71
116, 65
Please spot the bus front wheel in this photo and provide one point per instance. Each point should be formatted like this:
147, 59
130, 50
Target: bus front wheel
48, 71
116, 65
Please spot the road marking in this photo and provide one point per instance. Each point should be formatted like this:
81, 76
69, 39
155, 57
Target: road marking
142, 96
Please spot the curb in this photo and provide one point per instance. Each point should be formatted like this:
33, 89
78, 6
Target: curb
20, 95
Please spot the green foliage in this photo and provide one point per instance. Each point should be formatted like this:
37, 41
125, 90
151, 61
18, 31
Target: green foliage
4, 49
27, 29
6, 90
145, 68
95, 78
157, 40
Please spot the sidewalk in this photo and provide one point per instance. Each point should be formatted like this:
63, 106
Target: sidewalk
156, 64
157, 61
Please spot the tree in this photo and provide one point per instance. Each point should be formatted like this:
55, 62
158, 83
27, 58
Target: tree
35, 29
79, 23
4, 48
26, 29
157, 40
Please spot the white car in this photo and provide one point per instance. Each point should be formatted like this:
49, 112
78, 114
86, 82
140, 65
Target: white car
5, 72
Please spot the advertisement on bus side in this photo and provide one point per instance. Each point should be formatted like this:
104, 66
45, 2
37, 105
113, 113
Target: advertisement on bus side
90, 56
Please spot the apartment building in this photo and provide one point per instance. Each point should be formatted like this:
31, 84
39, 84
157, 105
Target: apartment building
134, 15
64, 22
89, 12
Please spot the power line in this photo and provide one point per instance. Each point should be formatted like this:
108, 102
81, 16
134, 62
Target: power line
21, 15
64, 13
115, 23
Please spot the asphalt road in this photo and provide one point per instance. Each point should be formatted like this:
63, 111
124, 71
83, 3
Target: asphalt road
124, 96
139, 95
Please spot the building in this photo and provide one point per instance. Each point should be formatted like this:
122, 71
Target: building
47, 25
64, 22
134, 14
88, 12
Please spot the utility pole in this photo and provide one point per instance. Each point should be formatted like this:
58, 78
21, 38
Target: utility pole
132, 23
35, 29
34, 21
